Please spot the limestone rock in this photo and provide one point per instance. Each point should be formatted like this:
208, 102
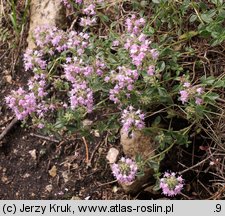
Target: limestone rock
137, 144
112, 155
45, 12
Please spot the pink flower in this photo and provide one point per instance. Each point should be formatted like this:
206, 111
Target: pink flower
87, 21
125, 170
199, 90
115, 43
132, 119
187, 84
81, 96
151, 70
170, 184
184, 96
89, 10
198, 101
155, 54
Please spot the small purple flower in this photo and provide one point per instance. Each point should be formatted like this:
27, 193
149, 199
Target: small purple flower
89, 10
184, 96
198, 101
170, 184
151, 70
199, 90
87, 21
125, 170
187, 85
115, 43
155, 54
22, 103
81, 96
69, 4
33, 59
40, 125
132, 119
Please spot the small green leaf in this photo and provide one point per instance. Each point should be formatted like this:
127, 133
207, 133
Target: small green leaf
193, 18
211, 96
208, 81
156, 1
219, 84
188, 35
206, 18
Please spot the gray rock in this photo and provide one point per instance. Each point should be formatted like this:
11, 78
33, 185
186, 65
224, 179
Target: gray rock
112, 155
137, 144
45, 12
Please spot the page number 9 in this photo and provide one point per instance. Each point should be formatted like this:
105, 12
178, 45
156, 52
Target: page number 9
218, 208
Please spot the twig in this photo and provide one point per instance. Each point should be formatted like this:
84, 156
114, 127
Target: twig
196, 165
184, 195
107, 183
217, 195
44, 137
204, 187
8, 128
86, 149
93, 153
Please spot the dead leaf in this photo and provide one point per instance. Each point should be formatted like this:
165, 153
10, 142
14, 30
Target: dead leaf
26, 175
33, 154
8, 79
49, 188
75, 198
65, 176
87, 122
53, 171
96, 133
115, 189
4, 179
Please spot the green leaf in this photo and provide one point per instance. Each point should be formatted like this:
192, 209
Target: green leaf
206, 18
219, 84
153, 164
156, 121
103, 17
188, 35
208, 81
211, 96
156, 1
193, 18
161, 66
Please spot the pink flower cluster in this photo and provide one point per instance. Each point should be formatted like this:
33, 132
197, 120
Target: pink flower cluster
34, 59
170, 184
87, 21
132, 119
22, 103
50, 40
89, 10
81, 96
25, 103
38, 85
137, 43
134, 25
190, 92
68, 3
125, 170
77, 73
100, 67
124, 80
75, 70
